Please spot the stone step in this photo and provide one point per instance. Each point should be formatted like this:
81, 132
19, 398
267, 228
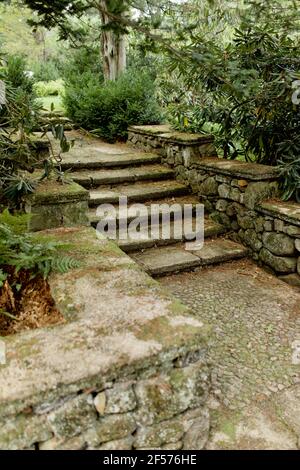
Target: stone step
158, 208
90, 178
137, 192
171, 259
163, 238
78, 160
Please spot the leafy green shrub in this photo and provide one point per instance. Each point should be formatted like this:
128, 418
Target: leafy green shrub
46, 71
109, 108
52, 88
22, 250
245, 88
19, 117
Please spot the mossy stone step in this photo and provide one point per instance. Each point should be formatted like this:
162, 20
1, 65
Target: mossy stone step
164, 237
88, 158
89, 178
158, 208
138, 192
170, 259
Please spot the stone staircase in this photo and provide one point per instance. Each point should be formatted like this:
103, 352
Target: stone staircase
143, 179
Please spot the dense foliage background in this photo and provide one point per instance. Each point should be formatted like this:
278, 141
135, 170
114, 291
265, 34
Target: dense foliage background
215, 66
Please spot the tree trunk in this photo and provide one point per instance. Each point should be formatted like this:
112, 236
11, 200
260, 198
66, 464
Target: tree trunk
113, 49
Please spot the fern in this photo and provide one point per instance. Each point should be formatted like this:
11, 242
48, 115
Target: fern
24, 251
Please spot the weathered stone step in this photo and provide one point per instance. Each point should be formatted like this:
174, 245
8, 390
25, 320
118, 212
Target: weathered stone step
175, 235
138, 192
90, 178
171, 259
158, 208
97, 160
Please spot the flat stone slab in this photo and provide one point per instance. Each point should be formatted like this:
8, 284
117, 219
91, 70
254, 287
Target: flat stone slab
175, 234
186, 138
117, 320
165, 133
86, 158
50, 192
158, 261
285, 210
250, 171
156, 209
151, 130
219, 251
124, 175
163, 260
139, 192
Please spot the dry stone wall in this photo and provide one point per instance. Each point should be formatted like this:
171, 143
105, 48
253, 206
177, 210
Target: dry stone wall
244, 197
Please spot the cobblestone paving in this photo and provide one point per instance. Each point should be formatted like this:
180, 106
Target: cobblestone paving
254, 350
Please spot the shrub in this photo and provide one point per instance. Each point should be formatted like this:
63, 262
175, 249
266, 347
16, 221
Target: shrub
46, 71
109, 108
52, 88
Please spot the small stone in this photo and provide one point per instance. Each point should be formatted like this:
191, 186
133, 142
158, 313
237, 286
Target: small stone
278, 225
223, 179
297, 245
197, 435
110, 428
100, 403
292, 230
120, 399
268, 226
120, 444
221, 205
250, 238
224, 191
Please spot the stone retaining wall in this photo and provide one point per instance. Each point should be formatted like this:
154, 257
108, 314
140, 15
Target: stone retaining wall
126, 370
55, 205
244, 197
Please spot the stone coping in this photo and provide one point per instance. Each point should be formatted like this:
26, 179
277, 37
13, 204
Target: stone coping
119, 323
234, 168
51, 192
167, 134
284, 210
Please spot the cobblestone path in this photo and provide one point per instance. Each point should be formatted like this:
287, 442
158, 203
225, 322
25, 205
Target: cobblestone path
254, 350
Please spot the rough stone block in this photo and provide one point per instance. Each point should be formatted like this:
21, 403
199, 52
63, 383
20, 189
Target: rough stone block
222, 205
119, 399
111, 428
168, 395
278, 243
251, 239
280, 264
23, 431
209, 187
258, 191
73, 417
292, 230
224, 191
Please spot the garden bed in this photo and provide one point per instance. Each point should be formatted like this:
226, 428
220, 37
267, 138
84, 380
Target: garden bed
26, 304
